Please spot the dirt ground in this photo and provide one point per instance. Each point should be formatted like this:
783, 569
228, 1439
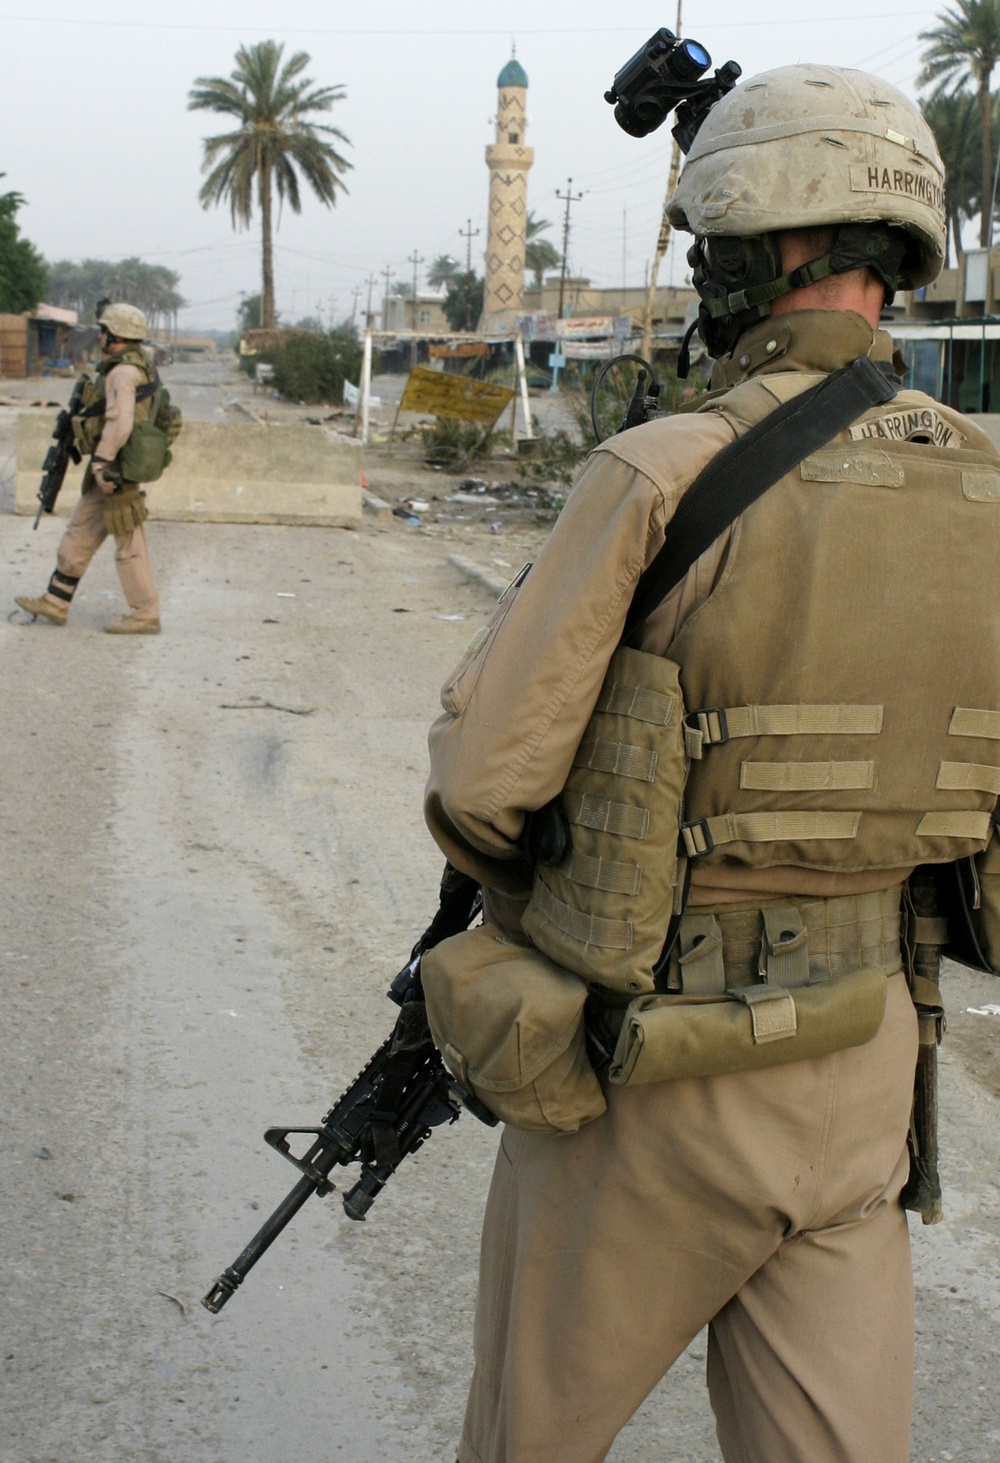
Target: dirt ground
214, 862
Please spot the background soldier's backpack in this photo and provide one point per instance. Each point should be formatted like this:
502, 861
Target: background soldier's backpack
147, 451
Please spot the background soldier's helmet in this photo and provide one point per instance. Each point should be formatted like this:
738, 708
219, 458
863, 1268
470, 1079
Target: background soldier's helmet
806, 147
125, 321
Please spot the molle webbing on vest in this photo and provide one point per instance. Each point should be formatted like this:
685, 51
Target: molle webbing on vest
955, 825
611, 875
618, 758
614, 891
705, 834
578, 926
624, 819
716, 725
810, 776
640, 702
968, 777
969, 721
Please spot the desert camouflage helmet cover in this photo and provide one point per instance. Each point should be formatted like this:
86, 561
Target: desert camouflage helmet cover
125, 321
804, 146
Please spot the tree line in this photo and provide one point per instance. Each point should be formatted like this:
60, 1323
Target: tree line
26, 279
152, 287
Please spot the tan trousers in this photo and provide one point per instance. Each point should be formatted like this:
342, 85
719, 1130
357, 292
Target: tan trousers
84, 535
764, 1204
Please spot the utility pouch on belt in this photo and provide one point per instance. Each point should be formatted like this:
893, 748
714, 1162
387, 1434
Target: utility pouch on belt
509, 1025
765, 987
125, 510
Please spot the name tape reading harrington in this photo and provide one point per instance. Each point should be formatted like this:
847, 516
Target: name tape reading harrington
904, 426
868, 178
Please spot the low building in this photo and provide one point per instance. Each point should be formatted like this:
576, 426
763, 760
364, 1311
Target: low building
426, 314
949, 333
673, 307
44, 342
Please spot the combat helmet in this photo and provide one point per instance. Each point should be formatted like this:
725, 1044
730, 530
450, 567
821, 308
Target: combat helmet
127, 322
805, 147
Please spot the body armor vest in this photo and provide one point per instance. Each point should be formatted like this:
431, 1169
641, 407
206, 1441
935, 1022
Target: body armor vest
90, 424
842, 683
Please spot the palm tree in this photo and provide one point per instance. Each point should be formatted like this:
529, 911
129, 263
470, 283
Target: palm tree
954, 120
443, 271
539, 254
964, 49
274, 141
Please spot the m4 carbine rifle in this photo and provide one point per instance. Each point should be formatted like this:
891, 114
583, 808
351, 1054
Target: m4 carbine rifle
60, 454
389, 1109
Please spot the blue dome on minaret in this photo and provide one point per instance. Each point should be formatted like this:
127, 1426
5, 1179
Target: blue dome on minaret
513, 74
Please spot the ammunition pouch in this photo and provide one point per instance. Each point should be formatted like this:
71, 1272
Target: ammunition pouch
124, 510
509, 1025
757, 988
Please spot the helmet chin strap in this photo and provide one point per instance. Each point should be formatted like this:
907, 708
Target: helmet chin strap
753, 296
752, 265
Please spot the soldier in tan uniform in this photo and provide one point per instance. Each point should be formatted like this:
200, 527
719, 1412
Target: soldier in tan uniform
108, 504
839, 653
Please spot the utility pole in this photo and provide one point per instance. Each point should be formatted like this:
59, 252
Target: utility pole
356, 295
664, 235
468, 234
387, 274
371, 282
415, 259
569, 198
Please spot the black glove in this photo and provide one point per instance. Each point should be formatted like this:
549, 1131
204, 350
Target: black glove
546, 838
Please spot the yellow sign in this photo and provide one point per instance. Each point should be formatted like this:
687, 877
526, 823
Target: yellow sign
457, 397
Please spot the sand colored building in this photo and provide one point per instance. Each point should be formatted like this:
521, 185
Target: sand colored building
508, 160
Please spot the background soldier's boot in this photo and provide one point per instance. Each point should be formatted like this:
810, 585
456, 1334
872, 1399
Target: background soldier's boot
131, 626
43, 609
54, 604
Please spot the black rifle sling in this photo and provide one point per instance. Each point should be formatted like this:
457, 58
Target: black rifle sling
743, 471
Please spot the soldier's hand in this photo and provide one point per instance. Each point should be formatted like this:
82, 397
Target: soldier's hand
99, 468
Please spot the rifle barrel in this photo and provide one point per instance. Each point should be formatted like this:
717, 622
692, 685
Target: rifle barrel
232, 1278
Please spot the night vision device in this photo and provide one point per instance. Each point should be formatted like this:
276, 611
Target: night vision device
664, 75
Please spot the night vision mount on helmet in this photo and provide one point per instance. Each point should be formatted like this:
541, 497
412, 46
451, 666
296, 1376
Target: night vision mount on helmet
667, 74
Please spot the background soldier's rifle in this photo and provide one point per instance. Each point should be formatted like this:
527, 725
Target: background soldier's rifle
60, 454
389, 1109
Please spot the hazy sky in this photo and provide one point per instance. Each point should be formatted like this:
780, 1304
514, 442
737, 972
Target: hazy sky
95, 133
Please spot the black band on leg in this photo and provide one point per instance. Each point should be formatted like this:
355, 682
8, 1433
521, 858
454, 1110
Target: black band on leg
62, 586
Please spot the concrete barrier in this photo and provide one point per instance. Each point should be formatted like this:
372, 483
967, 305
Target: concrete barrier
223, 472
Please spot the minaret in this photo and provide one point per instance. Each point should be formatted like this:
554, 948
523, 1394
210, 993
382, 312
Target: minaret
508, 160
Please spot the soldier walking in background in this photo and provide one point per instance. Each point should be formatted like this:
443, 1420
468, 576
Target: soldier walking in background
124, 395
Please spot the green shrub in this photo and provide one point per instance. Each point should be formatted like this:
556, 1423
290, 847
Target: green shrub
554, 459
455, 444
312, 368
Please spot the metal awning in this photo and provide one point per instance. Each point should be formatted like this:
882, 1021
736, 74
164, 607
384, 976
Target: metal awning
943, 330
